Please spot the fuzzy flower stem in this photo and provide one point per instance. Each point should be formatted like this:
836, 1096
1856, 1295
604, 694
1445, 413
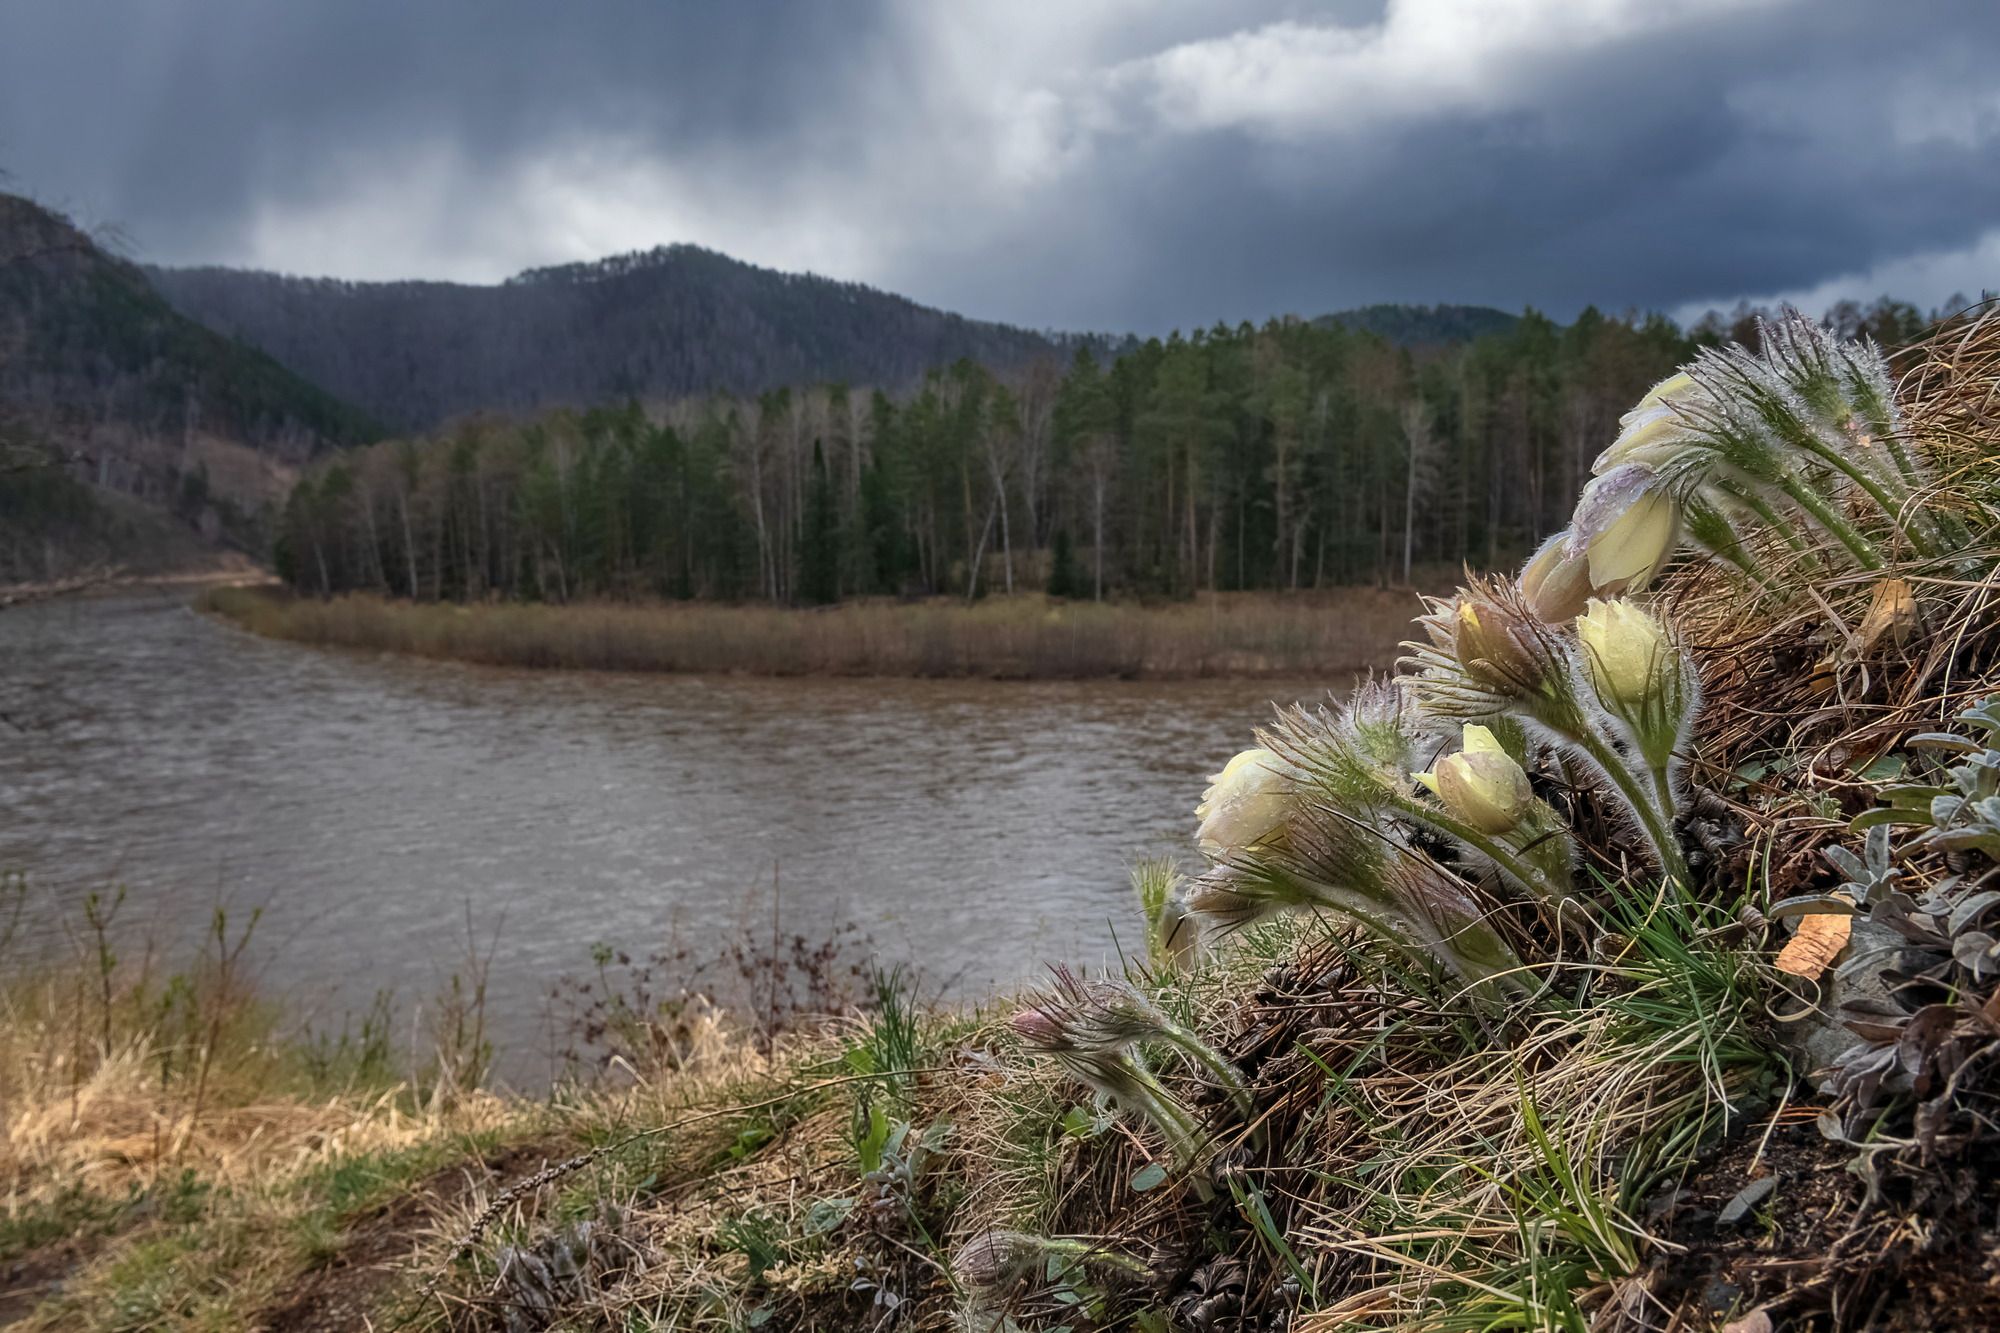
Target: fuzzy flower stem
1655, 818
1529, 876
1086, 1252
1815, 504
1786, 530
1208, 1058
1183, 1135
1860, 476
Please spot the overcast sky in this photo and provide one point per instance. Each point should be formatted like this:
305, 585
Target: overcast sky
1070, 164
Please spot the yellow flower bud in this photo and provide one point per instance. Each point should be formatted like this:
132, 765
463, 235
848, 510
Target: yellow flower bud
1626, 526
1651, 432
1635, 544
1627, 651
1245, 804
1556, 583
1677, 385
1482, 784
1475, 739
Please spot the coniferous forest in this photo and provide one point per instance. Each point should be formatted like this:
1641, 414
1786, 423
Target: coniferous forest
1295, 455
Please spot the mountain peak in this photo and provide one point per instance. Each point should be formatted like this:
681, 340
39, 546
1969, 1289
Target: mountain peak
669, 322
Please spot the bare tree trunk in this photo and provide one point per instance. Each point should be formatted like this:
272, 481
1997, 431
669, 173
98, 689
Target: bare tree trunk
1416, 445
409, 543
1097, 530
979, 555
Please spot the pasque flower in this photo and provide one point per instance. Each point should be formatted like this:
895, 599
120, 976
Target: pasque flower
996, 1257
1496, 647
1488, 656
1555, 583
1654, 430
1105, 1016
1644, 679
1626, 526
1627, 653
1245, 804
1114, 1071
1482, 784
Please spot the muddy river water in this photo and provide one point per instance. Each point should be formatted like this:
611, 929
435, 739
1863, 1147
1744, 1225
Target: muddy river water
372, 805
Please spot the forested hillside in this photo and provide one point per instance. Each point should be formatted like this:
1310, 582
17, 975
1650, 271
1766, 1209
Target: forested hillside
1292, 455
104, 387
654, 325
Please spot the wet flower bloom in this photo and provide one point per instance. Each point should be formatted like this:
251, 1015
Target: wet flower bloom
1482, 784
1627, 653
1626, 526
1245, 804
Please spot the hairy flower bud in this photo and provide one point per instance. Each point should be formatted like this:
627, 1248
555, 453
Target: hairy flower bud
1555, 583
1482, 784
1628, 654
1626, 527
1680, 384
1245, 804
1040, 1030
1652, 432
993, 1258
1495, 648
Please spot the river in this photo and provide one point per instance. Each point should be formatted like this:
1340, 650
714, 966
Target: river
372, 806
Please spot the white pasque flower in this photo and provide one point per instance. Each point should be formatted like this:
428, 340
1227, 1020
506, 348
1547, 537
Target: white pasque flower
1245, 805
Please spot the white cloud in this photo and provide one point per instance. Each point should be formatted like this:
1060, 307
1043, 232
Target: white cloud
1423, 57
427, 212
1926, 279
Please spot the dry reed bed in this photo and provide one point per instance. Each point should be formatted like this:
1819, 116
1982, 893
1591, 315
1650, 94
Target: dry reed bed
1026, 637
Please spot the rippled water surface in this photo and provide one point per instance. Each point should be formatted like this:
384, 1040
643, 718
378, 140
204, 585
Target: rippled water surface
368, 803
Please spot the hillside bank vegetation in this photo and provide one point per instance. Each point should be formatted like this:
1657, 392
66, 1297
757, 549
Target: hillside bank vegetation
1627, 961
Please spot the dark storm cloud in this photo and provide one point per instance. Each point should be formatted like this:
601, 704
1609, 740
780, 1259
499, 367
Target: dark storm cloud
174, 118
1116, 165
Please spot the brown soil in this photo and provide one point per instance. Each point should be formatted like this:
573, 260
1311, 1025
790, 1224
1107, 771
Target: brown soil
343, 1294
1810, 1256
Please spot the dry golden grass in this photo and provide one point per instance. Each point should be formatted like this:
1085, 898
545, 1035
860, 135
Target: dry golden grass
1227, 635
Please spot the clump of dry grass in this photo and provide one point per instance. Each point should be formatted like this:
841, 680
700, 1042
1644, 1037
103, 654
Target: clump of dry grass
1023, 637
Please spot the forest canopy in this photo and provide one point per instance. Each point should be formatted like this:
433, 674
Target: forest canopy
1295, 455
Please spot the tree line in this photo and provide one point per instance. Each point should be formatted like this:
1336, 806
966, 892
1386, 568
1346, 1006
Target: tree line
1293, 455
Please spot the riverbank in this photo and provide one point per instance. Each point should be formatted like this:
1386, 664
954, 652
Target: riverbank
1323, 636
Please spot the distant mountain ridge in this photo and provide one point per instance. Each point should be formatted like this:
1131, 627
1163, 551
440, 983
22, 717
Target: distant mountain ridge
105, 385
661, 323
